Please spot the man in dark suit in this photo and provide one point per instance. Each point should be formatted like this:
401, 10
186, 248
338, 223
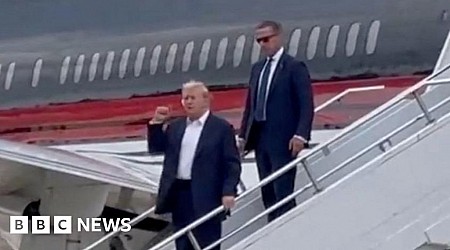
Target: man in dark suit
201, 165
278, 114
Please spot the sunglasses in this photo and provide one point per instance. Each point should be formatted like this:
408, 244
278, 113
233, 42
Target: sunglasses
264, 39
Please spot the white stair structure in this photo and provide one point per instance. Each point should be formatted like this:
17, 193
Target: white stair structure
388, 203
381, 183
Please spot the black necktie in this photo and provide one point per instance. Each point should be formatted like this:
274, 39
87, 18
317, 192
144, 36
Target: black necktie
260, 114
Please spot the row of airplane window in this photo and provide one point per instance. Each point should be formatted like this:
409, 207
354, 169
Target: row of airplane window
293, 48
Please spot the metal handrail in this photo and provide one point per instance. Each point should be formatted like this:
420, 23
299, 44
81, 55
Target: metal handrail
344, 93
295, 162
137, 220
261, 215
134, 221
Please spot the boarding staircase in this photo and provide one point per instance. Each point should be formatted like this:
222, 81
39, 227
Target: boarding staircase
386, 133
399, 199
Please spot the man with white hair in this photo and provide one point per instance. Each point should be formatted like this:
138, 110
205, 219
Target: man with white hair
201, 167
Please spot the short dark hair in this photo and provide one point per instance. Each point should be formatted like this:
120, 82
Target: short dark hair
272, 24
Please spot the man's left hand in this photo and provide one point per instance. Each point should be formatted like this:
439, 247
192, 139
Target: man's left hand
295, 146
228, 202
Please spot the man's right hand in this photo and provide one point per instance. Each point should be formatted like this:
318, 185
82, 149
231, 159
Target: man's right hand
161, 115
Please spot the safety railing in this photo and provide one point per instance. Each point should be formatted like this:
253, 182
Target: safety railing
324, 147
133, 222
344, 93
138, 219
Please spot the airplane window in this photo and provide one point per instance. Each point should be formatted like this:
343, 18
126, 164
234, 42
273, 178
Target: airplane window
10, 75
139, 62
171, 54
255, 52
124, 63
93, 67
187, 57
372, 37
332, 41
36, 73
221, 52
78, 68
108, 65
64, 70
352, 38
239, 50
155, 59
294, 42
204, 53
312, 43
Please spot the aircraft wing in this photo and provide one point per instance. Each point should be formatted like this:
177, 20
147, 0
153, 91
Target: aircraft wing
91, 165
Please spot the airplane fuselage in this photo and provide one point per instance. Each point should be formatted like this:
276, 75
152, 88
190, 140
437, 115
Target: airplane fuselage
66, 51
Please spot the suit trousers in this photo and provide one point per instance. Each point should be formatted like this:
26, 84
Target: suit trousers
268, 162
183, 214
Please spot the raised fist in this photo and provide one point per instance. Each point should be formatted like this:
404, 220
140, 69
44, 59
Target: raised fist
161, 114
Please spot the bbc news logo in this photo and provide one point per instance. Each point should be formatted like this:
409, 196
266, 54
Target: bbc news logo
63, 225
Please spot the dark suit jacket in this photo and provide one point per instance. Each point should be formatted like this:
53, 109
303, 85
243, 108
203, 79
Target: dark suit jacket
289, 108
216, 167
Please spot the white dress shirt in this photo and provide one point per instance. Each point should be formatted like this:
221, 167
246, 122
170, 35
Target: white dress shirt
189, 146
273, 67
